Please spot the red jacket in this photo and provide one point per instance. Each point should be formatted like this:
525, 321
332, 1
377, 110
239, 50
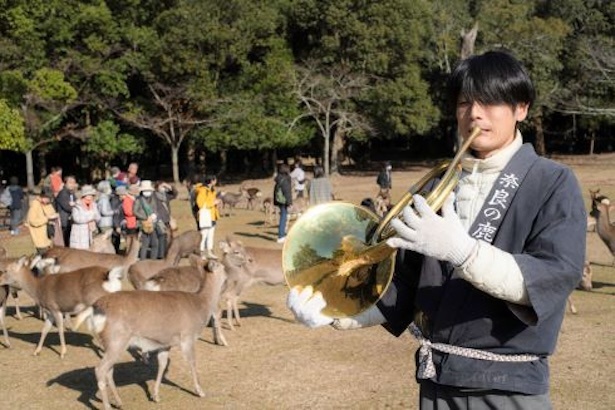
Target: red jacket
131, 219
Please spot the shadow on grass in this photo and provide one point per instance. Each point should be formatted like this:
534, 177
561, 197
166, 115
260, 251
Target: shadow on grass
52, 341
138, 372
269, 236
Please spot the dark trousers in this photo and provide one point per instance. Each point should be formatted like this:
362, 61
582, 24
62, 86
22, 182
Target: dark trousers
439, 397
149, 242
66, 234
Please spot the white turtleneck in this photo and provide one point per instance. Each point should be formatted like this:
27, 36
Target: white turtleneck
488, 268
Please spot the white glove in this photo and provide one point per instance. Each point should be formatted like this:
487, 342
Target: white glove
307, 306
441, 237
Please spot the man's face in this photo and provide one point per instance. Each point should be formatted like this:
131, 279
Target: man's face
133, 168
497, 124
71, 184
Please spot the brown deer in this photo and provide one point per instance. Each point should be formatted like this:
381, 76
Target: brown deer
69, 259
153, 322
69, 292
185, 244
604, 226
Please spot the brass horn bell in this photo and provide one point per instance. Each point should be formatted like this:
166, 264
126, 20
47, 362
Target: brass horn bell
339, 248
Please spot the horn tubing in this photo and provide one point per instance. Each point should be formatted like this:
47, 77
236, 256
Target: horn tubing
436, 197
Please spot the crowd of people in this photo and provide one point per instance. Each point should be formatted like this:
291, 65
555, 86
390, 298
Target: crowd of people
62, 213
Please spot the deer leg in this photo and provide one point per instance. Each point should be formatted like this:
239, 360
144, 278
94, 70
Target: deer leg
163, 361
103, 371
46, 327
113, 387
236, 312
187, 346
59, 319
573, 309
7, 342
219, 338
229, 312
17, 307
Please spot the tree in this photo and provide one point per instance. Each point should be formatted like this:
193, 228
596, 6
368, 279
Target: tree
327, 95
12, 132
538, 42
106, 142
384, 43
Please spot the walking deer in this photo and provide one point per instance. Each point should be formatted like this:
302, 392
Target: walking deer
70, 292
152, 321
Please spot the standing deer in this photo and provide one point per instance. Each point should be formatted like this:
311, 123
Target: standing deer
252, 195
70, 292
185, 244
246, 266
152, 321
604, 227
69, 259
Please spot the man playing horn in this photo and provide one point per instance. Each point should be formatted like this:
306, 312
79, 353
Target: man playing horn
483, 285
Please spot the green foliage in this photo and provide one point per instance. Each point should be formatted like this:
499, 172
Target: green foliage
106, 141
50, 85
12, 133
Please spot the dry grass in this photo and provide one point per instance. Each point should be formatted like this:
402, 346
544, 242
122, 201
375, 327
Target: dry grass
274, 363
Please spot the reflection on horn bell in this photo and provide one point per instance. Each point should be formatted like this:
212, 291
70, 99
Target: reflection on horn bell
339, 248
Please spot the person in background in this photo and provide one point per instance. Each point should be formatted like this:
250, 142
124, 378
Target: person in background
64, 203
206, 200
282, 198
147, 210
164, 194
103, 202
384, 180
194, 184
40, 214
320, 187
298, 176
85, 216
55, 180
131, 175
16, 207
130, 223
483, 285
118, 221
116, 177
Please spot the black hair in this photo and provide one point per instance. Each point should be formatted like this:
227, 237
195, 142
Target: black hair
14, 180
495, 77
318, 171
284, 169
208, 178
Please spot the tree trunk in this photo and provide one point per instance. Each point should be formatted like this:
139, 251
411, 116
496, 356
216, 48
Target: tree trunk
175, 162
325, 154
29, 170
337, 151
540, 134
467, 42
223, 162
592, 142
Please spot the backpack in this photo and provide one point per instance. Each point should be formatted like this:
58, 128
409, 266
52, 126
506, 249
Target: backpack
6, 198
279, 196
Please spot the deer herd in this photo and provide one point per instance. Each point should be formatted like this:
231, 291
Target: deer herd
170, 303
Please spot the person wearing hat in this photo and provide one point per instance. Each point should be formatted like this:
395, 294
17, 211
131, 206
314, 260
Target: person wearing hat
40, 214
146, 209
85, 216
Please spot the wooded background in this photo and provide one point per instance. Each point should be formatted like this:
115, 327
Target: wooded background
234, 86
